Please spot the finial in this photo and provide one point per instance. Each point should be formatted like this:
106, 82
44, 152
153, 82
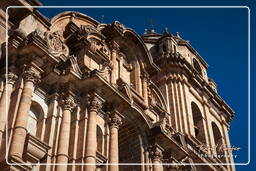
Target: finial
178, 34
145, 31
152, 30
166, 31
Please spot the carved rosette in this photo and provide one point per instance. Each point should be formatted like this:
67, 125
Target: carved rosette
56, 45
32, 76
67, 103
114, 121
11, 78
94, 104
156, 153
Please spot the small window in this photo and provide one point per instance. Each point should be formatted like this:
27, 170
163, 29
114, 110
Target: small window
198, 123
35, 120
99, 139
197, 66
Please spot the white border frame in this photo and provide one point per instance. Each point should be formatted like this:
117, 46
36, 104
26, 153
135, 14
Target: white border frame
106, 164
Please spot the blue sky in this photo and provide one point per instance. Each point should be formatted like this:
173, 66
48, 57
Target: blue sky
219, 35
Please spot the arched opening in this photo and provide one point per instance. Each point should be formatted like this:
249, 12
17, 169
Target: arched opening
218, 140
197, 66
99, 139
135, 78
35, 120
198, 123
129, 146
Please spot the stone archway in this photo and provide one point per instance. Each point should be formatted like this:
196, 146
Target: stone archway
129, 147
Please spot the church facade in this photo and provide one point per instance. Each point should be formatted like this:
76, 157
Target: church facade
80, 95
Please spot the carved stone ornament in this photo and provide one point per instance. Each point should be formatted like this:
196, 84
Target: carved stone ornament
94, 104
100, 46
119, 26
30, 75
114, 46
75, 66
86, 29
67, 103
56, 45
11, 78
114, 121
156, 153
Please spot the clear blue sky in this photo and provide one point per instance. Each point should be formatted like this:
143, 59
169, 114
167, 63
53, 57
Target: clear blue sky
219, 35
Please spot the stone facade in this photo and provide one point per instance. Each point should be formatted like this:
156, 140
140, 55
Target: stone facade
83, 94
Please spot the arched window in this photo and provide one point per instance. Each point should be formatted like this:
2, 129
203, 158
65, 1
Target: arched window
217, 138
198, 123
135, 76
35, 119
99, 139
197, 66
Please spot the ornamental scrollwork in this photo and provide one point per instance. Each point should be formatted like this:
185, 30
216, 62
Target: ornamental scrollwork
56, 45
120, 26
86, 29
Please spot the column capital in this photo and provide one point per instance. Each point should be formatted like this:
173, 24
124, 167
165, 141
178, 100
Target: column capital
10, 77
67, 102
156, 152
31, 75
114, 120
94, 104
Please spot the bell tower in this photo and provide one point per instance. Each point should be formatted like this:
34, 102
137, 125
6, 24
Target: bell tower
196, 109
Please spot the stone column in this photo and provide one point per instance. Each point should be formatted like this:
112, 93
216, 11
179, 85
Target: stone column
67, 105
91, 137
114, 122
114, 73
30, 78
4, 103
145, 78
156, 156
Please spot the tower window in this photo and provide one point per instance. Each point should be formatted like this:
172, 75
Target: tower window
198, 123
